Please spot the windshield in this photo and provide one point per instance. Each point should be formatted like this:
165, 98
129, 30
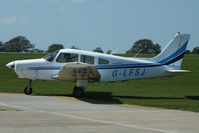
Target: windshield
51, 56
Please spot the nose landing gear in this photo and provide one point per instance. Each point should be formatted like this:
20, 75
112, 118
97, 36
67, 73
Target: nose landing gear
28, 89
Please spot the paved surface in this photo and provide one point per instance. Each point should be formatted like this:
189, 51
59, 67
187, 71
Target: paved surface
44, 114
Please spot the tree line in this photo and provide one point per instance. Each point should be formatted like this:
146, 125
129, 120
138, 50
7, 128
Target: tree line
22, 44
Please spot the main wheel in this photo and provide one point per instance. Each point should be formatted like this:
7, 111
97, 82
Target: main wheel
28, 90
78, 92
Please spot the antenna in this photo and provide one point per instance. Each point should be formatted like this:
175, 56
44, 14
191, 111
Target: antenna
115, 50
137, 53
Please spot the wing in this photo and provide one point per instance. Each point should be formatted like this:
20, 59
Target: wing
76, 71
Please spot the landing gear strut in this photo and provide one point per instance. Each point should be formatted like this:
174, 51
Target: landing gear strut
78, 92
28, 89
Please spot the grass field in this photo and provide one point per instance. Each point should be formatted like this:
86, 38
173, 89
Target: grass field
179, 92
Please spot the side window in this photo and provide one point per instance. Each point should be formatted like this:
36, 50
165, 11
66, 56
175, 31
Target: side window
67, 57
103, 61
87, 59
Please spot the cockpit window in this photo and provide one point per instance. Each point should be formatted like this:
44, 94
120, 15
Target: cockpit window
87, 59
103, 61
51, 56
67, 57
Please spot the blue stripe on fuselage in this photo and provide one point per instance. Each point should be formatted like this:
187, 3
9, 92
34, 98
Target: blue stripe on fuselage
45, 68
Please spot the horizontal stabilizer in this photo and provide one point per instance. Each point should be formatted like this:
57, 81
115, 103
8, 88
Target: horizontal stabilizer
178, 71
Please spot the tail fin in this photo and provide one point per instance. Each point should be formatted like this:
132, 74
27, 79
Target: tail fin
173, 53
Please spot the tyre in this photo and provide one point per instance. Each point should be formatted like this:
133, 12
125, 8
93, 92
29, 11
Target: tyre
78, 92
28, 90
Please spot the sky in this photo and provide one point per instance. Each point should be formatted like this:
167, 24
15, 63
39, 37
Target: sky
110, 24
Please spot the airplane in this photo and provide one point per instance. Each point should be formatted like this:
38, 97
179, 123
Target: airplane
83, 67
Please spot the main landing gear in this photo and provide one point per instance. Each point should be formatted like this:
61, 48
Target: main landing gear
28, 89
78, 91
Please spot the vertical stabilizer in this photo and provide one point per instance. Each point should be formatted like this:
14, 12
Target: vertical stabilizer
173, 53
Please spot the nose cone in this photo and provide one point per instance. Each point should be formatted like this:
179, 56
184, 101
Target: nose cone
11, 65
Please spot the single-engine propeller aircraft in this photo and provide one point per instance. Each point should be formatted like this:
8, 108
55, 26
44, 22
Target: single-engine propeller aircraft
83, 67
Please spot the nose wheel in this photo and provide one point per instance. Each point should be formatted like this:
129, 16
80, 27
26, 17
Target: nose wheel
28, 89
